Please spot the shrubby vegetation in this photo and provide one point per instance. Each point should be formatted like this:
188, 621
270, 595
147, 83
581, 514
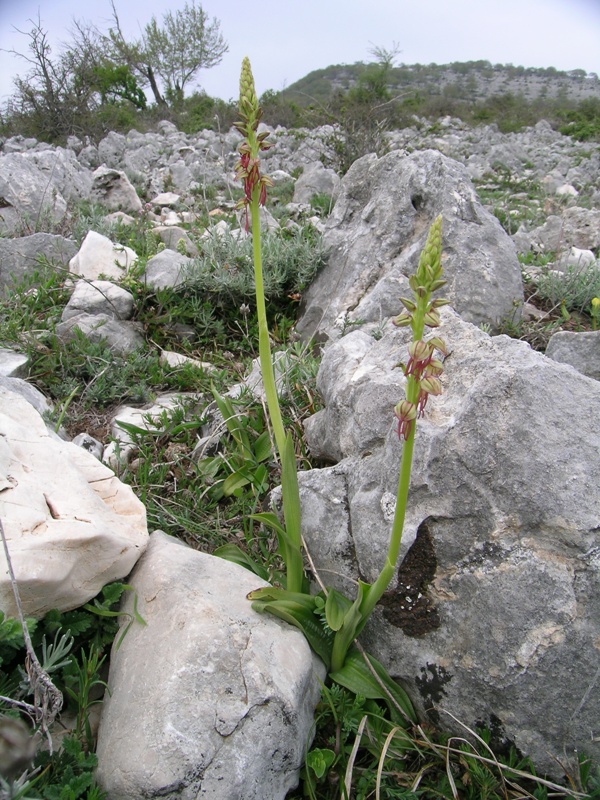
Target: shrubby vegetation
97, 82
102, 82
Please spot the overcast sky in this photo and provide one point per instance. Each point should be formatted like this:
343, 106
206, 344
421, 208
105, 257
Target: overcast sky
286, 39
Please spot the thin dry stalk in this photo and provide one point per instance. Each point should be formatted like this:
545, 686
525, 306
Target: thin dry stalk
384, 750
349, 769
47, 699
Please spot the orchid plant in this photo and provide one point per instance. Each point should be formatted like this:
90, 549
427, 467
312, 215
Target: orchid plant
330, 621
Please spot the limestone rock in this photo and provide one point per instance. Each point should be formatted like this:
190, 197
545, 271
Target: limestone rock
120, 336
316, 179
577, 227
579, 258
122, 448
579, 349
377, 230
224, 707
33, 396
176, 360
113, 189
112, 148
496, 599
98, 256
166, 199
12, 364
71, 526
171, 235
168, 269
21, 256
90, 444
25, 195
99, 297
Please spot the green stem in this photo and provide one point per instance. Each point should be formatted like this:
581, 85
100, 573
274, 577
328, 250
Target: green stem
264, 346
289, 486
376, 590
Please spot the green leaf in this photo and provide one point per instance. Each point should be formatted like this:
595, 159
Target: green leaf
320, 760
135, 430
272, 521
298, 609
336, 607
234, 482
260, 480
291, 493
356, 676
11, 632
352, 624
262, 447
100, 610
231, 552
233, 422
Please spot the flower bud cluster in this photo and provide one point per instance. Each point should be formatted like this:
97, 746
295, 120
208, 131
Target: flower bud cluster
423, 370
247, 168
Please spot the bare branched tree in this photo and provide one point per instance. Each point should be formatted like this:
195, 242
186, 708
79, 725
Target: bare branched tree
40, 90
57, 91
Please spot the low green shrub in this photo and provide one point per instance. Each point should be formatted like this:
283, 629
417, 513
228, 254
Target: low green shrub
224, 268
573, 289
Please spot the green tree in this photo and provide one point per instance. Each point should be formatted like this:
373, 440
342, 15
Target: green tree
174, 51
115, 82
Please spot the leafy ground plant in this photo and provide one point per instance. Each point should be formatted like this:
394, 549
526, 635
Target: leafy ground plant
572, 289
359, 753
72, 649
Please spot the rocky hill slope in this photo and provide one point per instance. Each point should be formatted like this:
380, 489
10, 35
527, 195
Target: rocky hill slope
466, 81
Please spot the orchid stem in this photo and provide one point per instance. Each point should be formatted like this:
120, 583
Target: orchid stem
264, 346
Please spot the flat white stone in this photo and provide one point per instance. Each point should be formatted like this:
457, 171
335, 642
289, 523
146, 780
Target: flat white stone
71, 525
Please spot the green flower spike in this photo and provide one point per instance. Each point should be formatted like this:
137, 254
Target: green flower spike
247, 168
422, 379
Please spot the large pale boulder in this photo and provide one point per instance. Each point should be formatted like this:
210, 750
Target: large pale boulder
98, 256
99, 297
71, 525
209, 699
377, 230
495, 614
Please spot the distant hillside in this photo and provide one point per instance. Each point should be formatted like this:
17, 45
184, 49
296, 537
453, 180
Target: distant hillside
470, 82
